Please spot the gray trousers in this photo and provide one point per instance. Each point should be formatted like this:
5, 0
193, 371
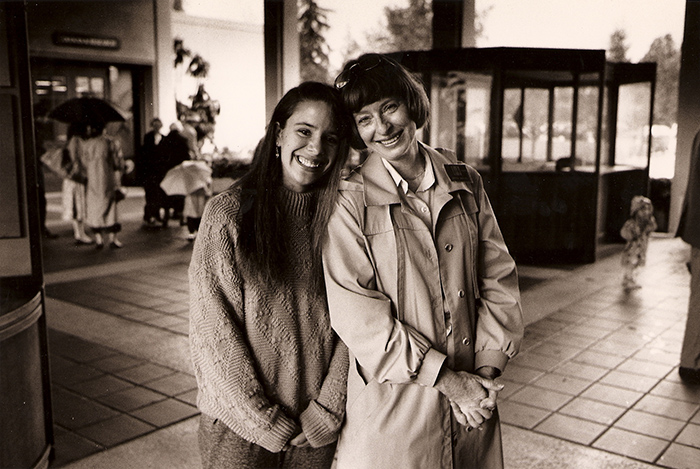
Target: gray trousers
221, 448
690, 353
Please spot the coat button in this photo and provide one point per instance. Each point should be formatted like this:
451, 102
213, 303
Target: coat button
461, 293
466, 341
448, 247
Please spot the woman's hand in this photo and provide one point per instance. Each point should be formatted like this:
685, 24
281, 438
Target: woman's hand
298, 441
490, 373
471, 396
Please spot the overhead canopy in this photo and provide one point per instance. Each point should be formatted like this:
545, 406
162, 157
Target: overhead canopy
530, 67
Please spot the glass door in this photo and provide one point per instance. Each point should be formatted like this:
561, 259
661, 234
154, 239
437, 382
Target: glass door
55, 82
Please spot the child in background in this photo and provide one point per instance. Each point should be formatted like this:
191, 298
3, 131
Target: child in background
194, 208
636, 232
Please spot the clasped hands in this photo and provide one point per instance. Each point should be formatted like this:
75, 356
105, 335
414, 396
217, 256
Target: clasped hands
298, 440
471, 396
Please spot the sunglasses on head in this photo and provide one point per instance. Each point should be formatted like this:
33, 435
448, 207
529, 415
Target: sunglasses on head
352, 72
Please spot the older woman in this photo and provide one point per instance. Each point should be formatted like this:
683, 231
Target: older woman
271, 372
104, 163
421, 288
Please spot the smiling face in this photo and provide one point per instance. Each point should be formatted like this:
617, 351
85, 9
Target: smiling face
308, 145
386, 128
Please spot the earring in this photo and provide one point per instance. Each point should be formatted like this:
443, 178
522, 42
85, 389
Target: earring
277, 151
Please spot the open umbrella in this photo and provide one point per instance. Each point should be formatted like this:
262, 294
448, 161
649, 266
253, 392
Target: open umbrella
86, 110
187, 177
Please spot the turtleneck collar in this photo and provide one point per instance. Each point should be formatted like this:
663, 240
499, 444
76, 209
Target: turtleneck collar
296, 203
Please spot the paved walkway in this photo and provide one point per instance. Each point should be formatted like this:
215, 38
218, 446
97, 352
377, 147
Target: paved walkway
595, 386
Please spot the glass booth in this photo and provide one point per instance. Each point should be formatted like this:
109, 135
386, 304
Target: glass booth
560, 136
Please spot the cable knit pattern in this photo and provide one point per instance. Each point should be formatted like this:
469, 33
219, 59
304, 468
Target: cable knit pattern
265, 356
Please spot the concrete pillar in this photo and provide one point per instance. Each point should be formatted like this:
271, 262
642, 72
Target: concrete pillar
688, 107
26, 432
163, 80
281, 50
454, 24
291, 62
469, 23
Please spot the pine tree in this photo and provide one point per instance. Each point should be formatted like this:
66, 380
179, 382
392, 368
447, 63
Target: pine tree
313, 22
663, 51
617, 51
411, 27
405, 28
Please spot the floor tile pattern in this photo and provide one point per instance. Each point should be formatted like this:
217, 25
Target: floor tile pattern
102, 398
603, 372
600, 372
156, 296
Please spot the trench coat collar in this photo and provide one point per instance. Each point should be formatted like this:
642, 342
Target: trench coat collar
380, 188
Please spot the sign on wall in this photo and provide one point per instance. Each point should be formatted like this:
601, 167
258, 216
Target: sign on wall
81, 40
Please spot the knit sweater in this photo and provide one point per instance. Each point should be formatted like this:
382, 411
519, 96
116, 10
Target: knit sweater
265, 357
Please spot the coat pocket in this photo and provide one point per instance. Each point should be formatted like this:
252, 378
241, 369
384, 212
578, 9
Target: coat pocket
365, 395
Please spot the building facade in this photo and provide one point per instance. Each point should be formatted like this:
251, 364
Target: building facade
122, 51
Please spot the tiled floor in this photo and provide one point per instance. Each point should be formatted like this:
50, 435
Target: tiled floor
602, 372
599, 372
157, 296
102, 397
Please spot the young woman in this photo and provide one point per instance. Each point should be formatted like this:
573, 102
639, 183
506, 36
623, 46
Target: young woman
421, 288
271, 372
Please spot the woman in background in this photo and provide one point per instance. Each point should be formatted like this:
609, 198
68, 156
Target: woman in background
271, 373
103, 162
74, 205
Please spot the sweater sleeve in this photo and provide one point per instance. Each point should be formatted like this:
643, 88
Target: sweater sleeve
323, 417
229, 388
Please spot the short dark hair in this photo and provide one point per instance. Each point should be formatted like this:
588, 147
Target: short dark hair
372, 77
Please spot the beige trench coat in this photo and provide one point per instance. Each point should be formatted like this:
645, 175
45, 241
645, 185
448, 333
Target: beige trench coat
103, 162
406, 299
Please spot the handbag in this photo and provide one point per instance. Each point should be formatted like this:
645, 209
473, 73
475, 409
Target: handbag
119, 194
79, 176
74, 168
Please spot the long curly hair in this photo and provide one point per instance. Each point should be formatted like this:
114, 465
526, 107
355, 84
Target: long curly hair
262, 223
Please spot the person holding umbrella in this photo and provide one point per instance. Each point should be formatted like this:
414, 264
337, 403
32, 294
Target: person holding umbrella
90, 114
104, 165
196, 200
74, 198
192, 179
63, 160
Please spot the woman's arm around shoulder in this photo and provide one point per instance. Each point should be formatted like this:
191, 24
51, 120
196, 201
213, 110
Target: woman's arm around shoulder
362, 315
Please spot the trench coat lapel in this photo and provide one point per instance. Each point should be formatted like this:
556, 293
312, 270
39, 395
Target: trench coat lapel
380, 189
